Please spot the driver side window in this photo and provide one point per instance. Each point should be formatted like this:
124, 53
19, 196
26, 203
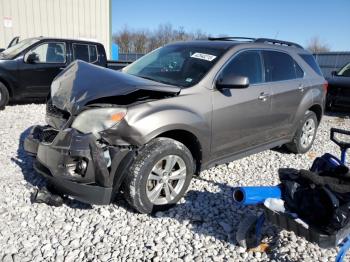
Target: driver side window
248, 64
50, 53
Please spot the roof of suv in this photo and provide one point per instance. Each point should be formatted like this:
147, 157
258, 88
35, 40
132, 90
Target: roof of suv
229, 42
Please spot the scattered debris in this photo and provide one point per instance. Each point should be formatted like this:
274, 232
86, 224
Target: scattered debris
312, 155
262, 248
43, 195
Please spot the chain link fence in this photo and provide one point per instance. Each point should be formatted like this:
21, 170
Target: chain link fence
130, 57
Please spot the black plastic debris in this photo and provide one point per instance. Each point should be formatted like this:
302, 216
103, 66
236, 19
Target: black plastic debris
43, 195
320, 199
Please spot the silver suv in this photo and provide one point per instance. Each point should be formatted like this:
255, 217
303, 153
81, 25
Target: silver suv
178, 110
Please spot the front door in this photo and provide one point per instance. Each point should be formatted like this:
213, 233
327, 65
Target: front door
36, 77
241, 117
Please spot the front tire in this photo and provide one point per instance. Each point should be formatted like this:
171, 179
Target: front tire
305, 135
159, 176
4, 96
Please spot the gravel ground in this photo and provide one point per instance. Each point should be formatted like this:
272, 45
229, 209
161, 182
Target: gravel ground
200, 228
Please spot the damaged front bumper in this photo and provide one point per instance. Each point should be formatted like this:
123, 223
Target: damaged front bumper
76, 165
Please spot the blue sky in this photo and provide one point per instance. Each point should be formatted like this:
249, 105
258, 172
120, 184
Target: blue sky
293, 20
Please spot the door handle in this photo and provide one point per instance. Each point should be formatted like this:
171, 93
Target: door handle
61, 68
263, 96
301, 88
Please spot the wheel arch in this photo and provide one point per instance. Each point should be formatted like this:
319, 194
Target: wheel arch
317, 109
190, 141
7, 85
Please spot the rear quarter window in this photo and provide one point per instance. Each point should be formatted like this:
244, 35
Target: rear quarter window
280, 66
310, 60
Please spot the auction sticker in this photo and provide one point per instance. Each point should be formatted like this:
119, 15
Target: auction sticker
202, 56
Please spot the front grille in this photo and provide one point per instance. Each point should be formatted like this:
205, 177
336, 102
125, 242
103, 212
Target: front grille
55, 111
48, 135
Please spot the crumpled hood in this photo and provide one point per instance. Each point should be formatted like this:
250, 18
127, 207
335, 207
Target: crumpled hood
81, 83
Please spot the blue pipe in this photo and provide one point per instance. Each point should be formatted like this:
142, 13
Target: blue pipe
253, 195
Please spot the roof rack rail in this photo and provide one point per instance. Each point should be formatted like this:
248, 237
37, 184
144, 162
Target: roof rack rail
275, 41
228, 38
256, 40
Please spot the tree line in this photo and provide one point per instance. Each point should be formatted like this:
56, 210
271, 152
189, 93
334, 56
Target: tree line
142, 41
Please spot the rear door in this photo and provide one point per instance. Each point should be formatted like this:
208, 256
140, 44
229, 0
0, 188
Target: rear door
36, 77
241, 117
286, 79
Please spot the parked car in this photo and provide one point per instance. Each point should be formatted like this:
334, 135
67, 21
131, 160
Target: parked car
28, 67
176, 111
338, 95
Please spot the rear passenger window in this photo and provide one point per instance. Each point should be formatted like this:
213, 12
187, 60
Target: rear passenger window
246, 64
280, 66
310, 60
85, 52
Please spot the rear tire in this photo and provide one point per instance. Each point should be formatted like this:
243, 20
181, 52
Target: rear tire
4, 96
305, 135
159, 176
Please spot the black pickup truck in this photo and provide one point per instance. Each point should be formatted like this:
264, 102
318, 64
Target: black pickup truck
28, 68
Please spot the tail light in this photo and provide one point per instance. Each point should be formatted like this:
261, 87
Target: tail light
325, 86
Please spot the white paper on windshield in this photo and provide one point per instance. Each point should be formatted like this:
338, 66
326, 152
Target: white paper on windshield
202, 56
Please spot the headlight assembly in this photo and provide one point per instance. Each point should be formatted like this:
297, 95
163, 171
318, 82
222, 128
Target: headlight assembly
97, 120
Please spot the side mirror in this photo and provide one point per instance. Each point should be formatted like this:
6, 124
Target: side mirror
31, 58
232, 81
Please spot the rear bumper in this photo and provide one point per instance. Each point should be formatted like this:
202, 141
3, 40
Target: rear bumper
76, 165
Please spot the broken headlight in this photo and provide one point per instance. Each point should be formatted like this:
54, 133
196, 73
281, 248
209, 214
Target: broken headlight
97, 120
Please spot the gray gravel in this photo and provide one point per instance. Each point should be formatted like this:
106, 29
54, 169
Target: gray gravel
200, 228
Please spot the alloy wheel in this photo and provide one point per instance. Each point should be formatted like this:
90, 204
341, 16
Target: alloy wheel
166, 180
308, 133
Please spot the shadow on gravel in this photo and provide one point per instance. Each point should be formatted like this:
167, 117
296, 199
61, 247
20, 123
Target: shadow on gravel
27, 101
282, 149
25, 162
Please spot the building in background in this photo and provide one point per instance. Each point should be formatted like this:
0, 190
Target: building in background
78, 19
332, 61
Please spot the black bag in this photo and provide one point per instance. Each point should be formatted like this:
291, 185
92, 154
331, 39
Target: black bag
320, 200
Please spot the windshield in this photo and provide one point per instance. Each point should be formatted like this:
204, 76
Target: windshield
16, 49
179, 65
345, 71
